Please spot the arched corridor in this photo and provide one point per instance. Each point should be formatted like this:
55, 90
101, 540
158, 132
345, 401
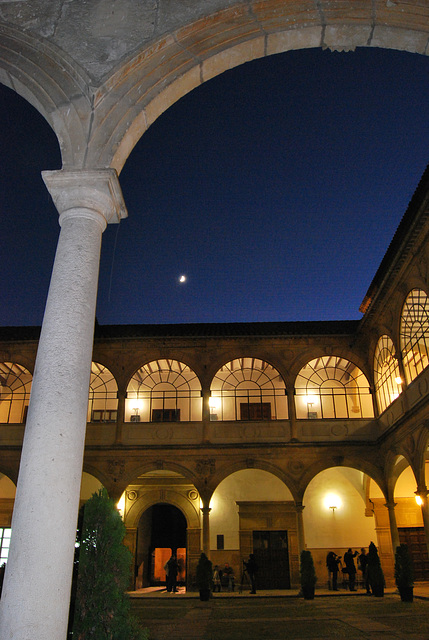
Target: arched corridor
101, 78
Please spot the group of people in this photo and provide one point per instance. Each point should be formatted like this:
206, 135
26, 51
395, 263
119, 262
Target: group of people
221, 577
334, 564
225, 577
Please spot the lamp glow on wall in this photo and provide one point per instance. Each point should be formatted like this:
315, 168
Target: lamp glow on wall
121, 505
214, 404
419, 500
332, 501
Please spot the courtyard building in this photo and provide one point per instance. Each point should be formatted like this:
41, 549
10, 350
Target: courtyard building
264, 438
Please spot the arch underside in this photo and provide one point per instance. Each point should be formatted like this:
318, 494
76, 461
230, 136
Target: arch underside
100, 112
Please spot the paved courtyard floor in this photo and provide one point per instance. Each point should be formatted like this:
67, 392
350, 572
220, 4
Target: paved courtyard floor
282, 616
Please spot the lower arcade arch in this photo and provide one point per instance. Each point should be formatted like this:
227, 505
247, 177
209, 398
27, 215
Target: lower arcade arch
253, 511
408, 515
161, 512
161, 532
337, 516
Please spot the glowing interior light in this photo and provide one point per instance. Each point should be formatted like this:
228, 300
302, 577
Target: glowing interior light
332, 501
214, 403
419, 500
398, 380
137, 405
312, 399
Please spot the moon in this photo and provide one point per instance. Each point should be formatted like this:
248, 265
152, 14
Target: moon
182, 278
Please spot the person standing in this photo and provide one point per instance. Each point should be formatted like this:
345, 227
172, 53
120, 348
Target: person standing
363, 566
171, 569
351, 568
252, 568
332, 562
216, 579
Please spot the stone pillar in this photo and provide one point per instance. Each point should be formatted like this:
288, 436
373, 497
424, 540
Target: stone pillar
300, 527
422, 492
292, 414
120, 417
206, 414
393, 526
206, 530
36, 592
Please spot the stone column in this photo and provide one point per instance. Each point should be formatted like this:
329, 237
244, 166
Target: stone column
292, 414
206, 530
300, 528
120, 416
206, 414
393, 526
423, 492
36, 592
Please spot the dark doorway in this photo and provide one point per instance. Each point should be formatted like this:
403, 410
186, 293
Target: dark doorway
272, 556
415, 538
161, 531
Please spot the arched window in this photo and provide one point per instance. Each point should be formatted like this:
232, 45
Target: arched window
387, 379
414, 333
164, 391
15, 387
332, 387
103, 395
248, 389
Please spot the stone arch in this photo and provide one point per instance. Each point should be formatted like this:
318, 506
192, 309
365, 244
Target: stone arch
54, 84
164, 389
187, 507
98, 125
365, 465
199, 50
253, 511
331, 386
258, 464
248, 388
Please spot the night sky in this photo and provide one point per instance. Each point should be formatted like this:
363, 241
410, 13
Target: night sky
276, 189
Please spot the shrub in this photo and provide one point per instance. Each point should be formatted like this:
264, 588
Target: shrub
102, 607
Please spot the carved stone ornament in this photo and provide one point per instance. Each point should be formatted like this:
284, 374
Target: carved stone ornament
295, 466
206, 467
116, 468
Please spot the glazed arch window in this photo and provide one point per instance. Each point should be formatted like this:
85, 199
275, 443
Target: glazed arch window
164, 391
332, 387
414, 333
387, 379
248, 389
15, 387
103, 395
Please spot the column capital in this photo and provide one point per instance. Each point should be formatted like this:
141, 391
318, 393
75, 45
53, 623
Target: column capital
96, 190
390, 504
422, 491
205, 510
299, 507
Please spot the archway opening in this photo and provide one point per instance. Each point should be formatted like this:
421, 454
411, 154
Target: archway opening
252, 511
337, 516
161, 532
410, 522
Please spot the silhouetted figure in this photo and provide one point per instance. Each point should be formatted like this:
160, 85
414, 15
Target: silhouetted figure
363, 566
350, 567
332, 562
251, 568
171, 571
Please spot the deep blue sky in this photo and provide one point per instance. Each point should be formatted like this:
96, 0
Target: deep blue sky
276, 188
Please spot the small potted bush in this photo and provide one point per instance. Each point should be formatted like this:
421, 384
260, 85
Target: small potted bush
375, 572
308, 575
204, 576
404, 573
